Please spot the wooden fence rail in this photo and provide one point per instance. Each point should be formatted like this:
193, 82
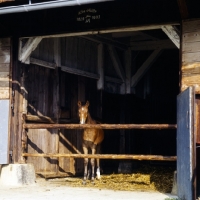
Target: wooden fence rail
100, 126
104, 156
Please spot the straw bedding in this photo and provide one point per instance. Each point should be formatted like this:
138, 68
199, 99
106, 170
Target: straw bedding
146, 178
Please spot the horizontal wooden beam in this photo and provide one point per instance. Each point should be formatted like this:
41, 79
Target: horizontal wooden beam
104, 156
35, 118
45, 119
84, 73
80, 72
100, 39
100, 126
72, 70
42, 63
113, 30
137, 28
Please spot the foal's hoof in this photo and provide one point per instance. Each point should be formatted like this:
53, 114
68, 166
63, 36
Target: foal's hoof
84, 182
93, 183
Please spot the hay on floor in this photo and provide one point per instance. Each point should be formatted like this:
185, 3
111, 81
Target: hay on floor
146, 178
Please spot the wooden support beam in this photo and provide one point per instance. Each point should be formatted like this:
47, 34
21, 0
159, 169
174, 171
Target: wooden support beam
122, 138
104, 156
45, 119
70, 144
73, 70
127, 64
57, 52
100, 66
100, 126
56, 108
114, 30
41, 119
80, 72
25, 52
88, 74
42, 63
23, 109
106, 41
145, 66
173, 34
116, 62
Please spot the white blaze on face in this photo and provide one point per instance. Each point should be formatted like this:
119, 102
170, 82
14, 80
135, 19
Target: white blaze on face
82, 117
82, 121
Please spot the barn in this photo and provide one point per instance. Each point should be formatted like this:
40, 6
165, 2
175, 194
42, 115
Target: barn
136, 62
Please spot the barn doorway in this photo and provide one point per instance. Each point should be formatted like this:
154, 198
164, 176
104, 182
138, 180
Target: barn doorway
139, 84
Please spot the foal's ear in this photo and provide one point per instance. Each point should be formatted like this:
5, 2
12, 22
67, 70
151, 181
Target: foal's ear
79, 103
87, 103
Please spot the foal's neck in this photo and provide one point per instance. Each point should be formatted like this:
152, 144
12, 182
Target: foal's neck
90, 120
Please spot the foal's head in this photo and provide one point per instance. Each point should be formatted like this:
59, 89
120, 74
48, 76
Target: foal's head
83, 111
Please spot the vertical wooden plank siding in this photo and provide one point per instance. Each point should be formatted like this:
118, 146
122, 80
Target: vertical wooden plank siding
68, 138
190, 68
79, 54
56, 111
15, 102
40, 82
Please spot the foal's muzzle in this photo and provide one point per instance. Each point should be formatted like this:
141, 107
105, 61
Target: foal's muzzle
82, 121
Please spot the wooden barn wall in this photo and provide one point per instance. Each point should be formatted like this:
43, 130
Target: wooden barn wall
40, 102
75, 52
40, 84
190, 67
70, 140
45, 50
79, 53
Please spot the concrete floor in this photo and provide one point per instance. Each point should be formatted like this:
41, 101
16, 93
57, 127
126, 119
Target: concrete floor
48, 190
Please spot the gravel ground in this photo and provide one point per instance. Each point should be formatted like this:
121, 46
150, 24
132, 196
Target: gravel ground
43, 189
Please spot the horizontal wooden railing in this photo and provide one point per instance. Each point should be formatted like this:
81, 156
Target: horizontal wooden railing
52, 125
104, 156
100, 126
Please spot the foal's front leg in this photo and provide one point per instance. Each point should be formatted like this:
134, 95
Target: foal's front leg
85, 150
98, 162
93, 164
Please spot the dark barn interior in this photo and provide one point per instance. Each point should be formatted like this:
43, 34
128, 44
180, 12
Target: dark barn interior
157, 104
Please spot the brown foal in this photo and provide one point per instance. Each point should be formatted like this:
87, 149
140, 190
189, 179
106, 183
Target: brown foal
92, 139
